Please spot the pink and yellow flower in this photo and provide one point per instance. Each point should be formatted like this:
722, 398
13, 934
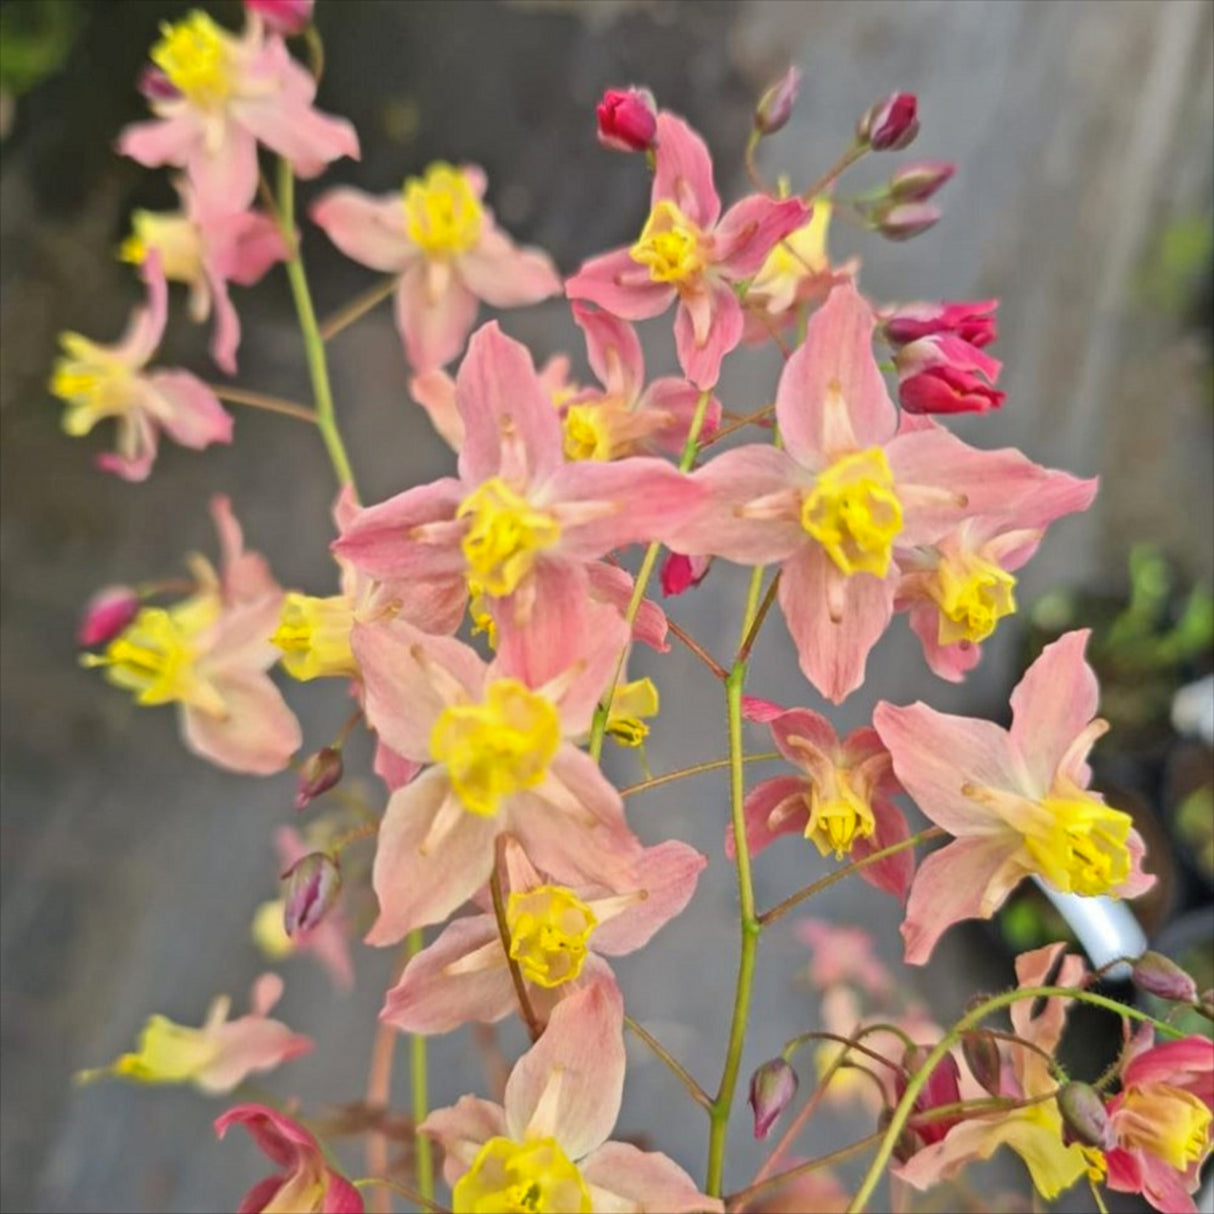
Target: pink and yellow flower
688, 251
441, 240
546, 1151
1017, 801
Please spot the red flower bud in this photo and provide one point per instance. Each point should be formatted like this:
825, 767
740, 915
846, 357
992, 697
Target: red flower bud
919, 181
680, 573
891, 124
772, 1088
972, 322
312, 886
775, 106
1162, 977
1085, 1117
283, 16
904, 220
981, 1053
106, 614
317, 774
943, 374
628, 120
942, 1087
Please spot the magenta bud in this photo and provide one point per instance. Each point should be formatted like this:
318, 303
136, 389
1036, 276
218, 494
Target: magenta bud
628, 120
891, 124
775, 106
1084, 1115
155, 85
906, 219
312, 886
919, 181
317, 774
981, 1053
1162, 977
681, 573
283, 16
772, 1088
106, 614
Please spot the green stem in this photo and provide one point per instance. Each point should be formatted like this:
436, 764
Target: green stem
314, 346
916, 1082
418, 1077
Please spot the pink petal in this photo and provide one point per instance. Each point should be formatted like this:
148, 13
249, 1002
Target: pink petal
145, 328
583, 1045
505, 276
435, 392
1173, 1060
194, 417
462, 1131
246, 576
611, 584
433, 325
393, 768
243, 246
951, 662
832, 398
223, 172
1042, 1022
614, 351
761, 802
683, 172
679, 400
161, 141
833, 653
416, 888
368, 229
750, 229
341, 1197
668, 874
894, 873
700, 356
621, 286
282, 1139
499, 397
225, 334
289, 125
257, 736
802, 723
249, 1045
624, 1179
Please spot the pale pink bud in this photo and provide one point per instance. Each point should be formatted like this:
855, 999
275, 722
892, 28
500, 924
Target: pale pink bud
283, 16
775, 106
772, 1088
1162, 977
628, 120
155, 85
106, 614
891, 124
680, 573
1085, 1117
317, 774
312, 886
920, 180
981, 1053
904, 220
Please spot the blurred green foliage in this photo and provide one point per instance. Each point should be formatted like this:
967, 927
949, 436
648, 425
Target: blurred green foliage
35, 39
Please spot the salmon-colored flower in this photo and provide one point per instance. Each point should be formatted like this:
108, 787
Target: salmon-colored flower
438, 236
688, 251
1017, 801
843, 954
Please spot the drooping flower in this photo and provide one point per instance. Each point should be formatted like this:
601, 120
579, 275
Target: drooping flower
942, 373
688, 251
499, 742
217, 1057
547, 1146
1017, 801
519, 522
106, 614
207, 249
229, 93
209, 654
99, 381
438, 236
557, 934
307, 1183
971, 321
840, 802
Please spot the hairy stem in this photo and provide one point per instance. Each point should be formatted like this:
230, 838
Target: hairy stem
696, 769
260, 400
680, 1072
356, 309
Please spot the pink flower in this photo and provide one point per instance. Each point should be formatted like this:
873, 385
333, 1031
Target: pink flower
519, 523
217, 1057
970, 322
441, 240
306, 1182
1162, 1120
1017, 801
230, 93
561, 1102
206, 250
209, 654
556, 935
840, 801
100, 381
688, 252
628, 120
941, 373
843, 954
282, 16
849, 489
681, 573
106, 614
499, 740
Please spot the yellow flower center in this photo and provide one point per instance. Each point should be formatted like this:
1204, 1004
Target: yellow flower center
1167, 1122
93, 382
504, 533
478, 612
194, 55
549, 927
670, 245
973, 595
797, 256
443, 215
496, 748
314, 636
630, 702
174, 237
586, 437
853, 511
1079, 844
508, 1177
838, 816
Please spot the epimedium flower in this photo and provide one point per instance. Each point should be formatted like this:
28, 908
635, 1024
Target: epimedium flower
209, 654
221, 95
941, 373
545, 1148
441, 240
519, 522
100, 381
841, 800
1017, 801
688, 251
843, 954
206, 249
217, 1057
558, 936
306, 1182
971, 321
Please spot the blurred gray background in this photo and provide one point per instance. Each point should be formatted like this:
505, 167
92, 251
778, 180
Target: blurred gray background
130, 868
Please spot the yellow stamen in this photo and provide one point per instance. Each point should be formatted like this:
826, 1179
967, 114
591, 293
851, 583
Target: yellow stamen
549, 927
443, 215
1168, 1122
167, 1053
171, 235
838, 816
504, 533
586, 435
93, 382
630, 702
1079, 843
478, 611
853, 511
314, 635
670, 245
194, 55
508, 1177
973, 595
